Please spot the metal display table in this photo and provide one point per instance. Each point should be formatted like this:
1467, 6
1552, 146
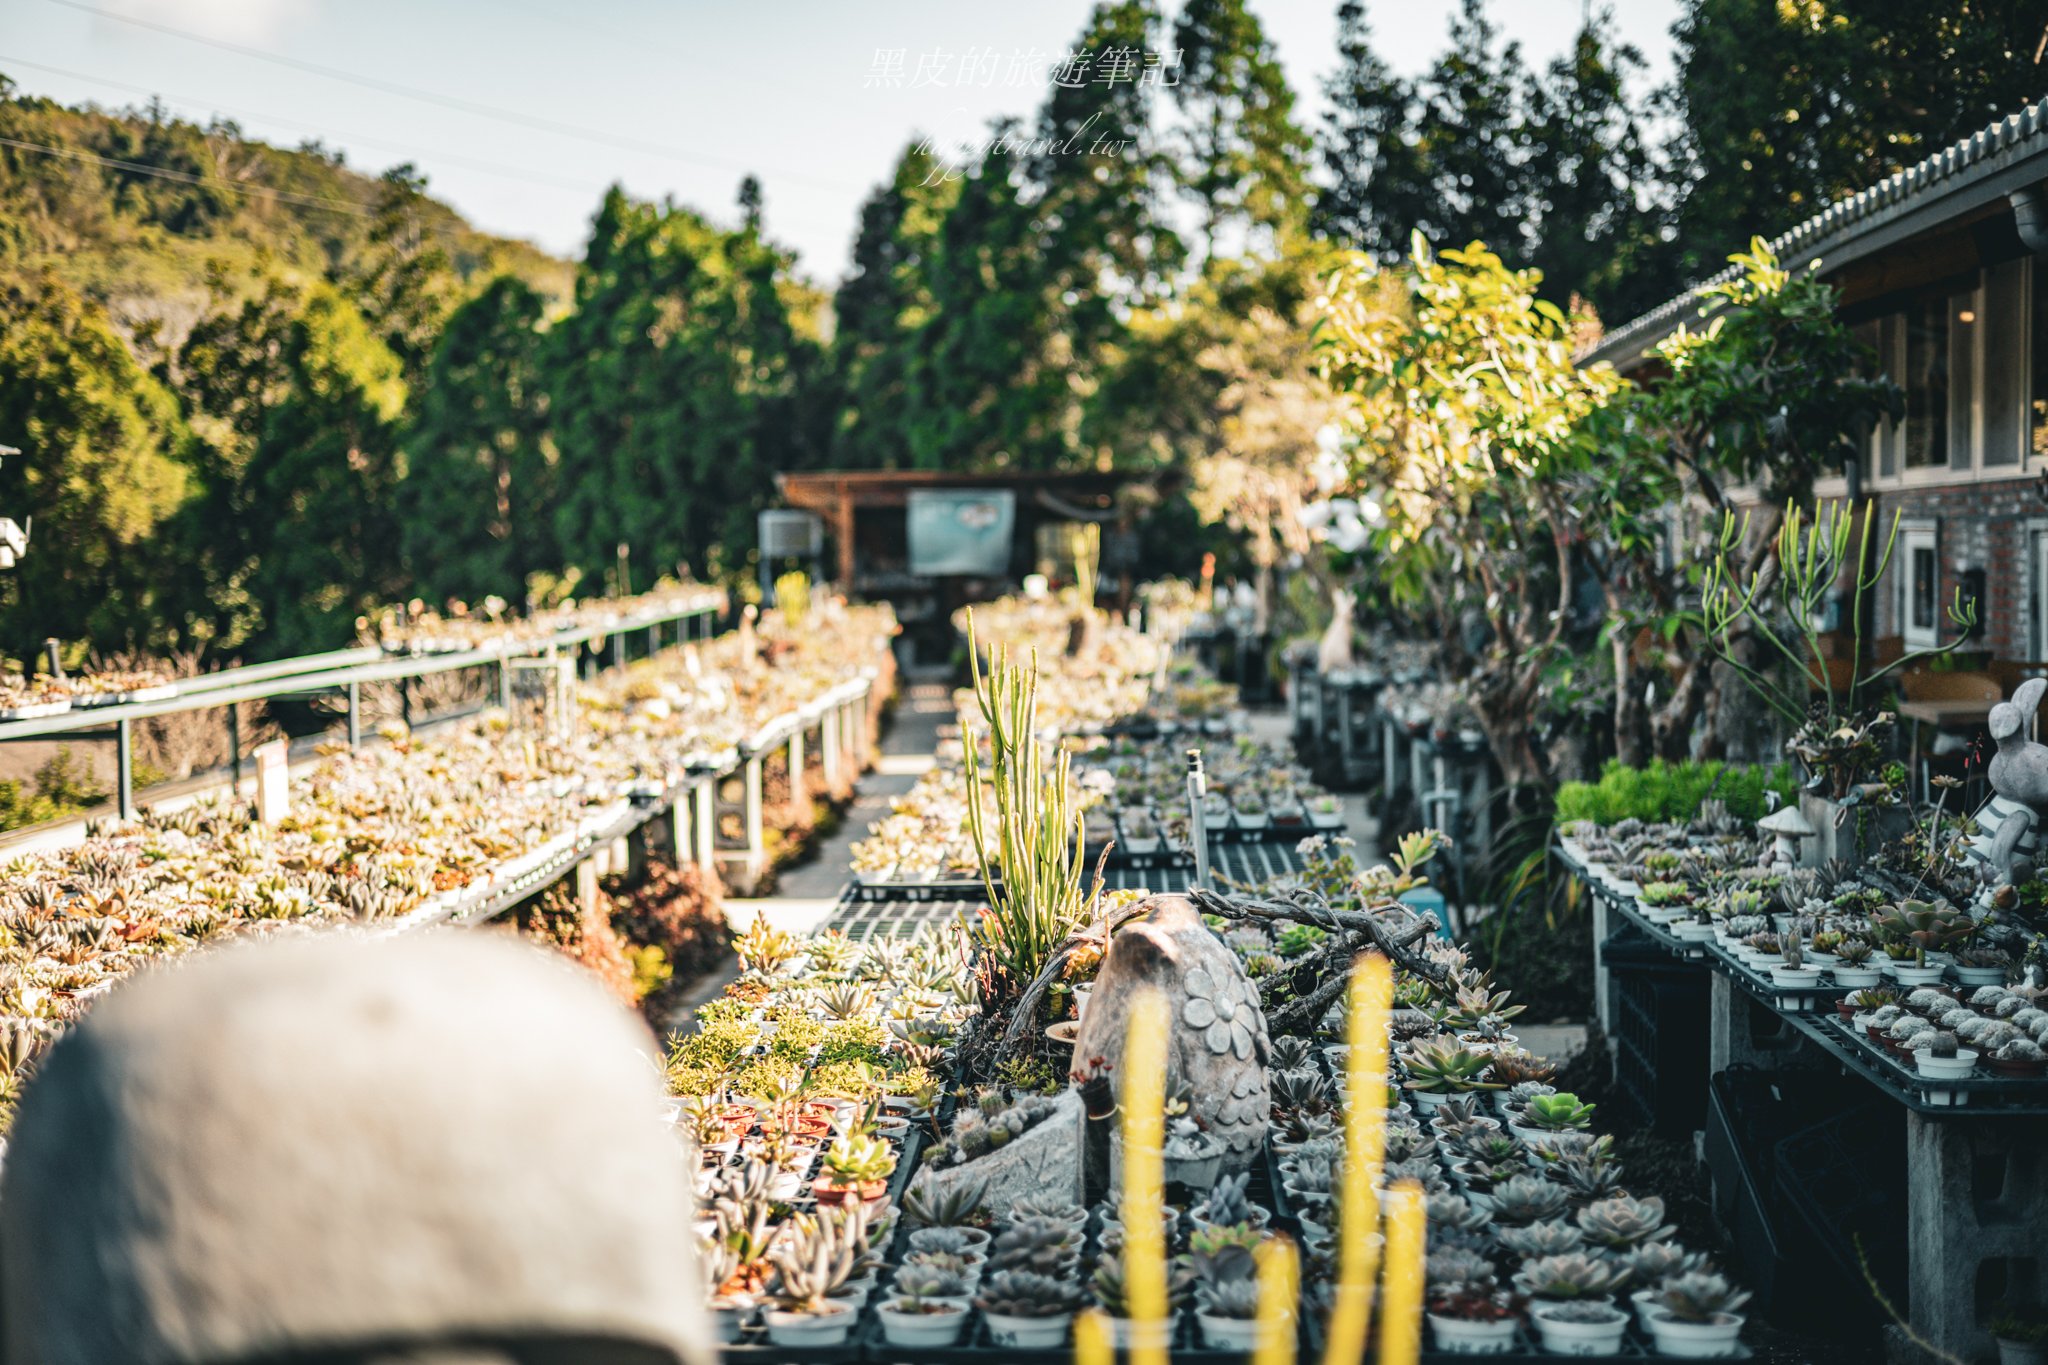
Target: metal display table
1976, 1149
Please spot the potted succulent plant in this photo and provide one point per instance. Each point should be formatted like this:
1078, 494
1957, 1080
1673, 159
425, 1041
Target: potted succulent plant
1650, 1265
1981, 966
1140, 830
1326, 812
928, 1308
1940, 1058
1228, 1205
1570, 1305
1108, 1285
1440, 1069
1471, 1315
1852, 967
2022, 1337
1227, 1311
856, 1170
1027, 1310
958, 1203
802, 1311
1693, 1316
1547, 1114
1926, 927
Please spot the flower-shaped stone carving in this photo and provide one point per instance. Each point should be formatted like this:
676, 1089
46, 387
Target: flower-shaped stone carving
1213, 1007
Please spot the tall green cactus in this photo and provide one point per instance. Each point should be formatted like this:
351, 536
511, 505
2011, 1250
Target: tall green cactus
1031, 856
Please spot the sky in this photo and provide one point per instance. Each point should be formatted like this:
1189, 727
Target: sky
521, 112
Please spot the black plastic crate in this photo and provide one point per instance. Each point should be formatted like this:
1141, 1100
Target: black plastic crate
1841, 1185
1750, 1113
1658, 1015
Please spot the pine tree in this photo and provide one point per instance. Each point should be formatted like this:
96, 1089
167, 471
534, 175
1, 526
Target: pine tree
1474, 139
404, 281
1243, 155
1591, 181
1379, 176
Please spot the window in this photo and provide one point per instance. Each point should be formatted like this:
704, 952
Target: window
1927, 360
2005, 364
2038, 438
1885, 335
1919, 577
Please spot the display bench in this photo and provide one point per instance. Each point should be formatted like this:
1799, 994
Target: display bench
1976, 1148
843, 722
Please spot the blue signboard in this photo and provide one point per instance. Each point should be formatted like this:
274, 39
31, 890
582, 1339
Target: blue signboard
961, 531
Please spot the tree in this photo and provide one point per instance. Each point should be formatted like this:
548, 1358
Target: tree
1590, 177
1469, 421
1243, 155
403, 280
1475, 139
1379, 175
881, 310
321, 483
476, 505
1842, 95
104, 467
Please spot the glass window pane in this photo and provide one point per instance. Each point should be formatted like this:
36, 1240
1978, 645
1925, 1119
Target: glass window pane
2005, 360
1927, 384
1888, 347
1964, 324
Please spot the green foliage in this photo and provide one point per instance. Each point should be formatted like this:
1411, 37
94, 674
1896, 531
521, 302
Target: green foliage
475, 509
63, 787
105, 469
1661, 791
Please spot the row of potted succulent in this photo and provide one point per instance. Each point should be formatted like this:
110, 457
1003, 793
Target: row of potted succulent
414, 628
411, 824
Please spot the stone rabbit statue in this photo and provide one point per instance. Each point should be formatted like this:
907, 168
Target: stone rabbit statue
1333, 653
2019, 775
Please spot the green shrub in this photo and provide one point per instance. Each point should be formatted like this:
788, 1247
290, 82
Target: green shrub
1672, 791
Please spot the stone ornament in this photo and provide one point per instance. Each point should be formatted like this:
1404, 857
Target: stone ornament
328, 1147
1217, 1046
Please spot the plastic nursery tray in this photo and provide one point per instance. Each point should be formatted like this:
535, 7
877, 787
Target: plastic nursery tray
937, 889
867, 919
1981, 1093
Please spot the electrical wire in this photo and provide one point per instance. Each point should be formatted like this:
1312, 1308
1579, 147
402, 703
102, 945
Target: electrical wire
188, 178
388, 87
451, 158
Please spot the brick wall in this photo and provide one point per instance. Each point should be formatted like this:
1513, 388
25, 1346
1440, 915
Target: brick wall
1987, 525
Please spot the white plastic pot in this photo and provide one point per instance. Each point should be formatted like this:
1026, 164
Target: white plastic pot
1464, 1337
809, 1329
1979, 976
1945, 1068
1228, 1334
1579, 1338
1028, 1333
1855, 978
942, 1328
1126, 1333
1795, 976
1906, 974
1696, 1340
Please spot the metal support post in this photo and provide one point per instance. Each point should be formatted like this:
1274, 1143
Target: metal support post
124, 759
235, 745
706, 826
799, 805
355, 716
831, 749
1198, 829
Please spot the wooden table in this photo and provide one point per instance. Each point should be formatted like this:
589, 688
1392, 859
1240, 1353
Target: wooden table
1947, 714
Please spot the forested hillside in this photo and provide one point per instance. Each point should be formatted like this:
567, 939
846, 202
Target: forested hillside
260, 394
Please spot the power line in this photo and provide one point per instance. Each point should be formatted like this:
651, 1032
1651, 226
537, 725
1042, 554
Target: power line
452, 158
379, 84
188, 178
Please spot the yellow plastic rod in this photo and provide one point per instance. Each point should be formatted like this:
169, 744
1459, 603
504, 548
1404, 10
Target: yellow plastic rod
1407, 1242
1365, 1144
1143, 1101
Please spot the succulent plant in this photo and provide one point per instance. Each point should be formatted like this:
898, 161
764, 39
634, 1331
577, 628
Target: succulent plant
1454, 1212
1443, 1066
1289, 1053
1459, 1270
1043, 1246
1108, 1286
1527, 1199
1572, 1275
1559, 1111
1533, 1241
1048, 1204
1622, 1223
1937, 1043
810, 1263
1233, 1298
1299, 1091
1699, 1296
948, 1241
920, 1281
859, 1160
1654, 1262
958, 1204
1022, 1294
1229, 1203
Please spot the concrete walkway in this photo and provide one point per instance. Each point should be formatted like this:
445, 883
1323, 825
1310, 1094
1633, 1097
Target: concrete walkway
806, 893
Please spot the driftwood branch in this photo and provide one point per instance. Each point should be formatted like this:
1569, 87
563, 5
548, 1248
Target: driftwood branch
1391, 929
